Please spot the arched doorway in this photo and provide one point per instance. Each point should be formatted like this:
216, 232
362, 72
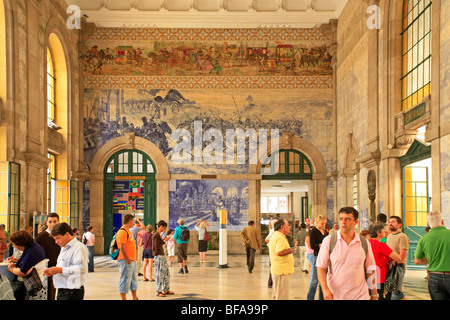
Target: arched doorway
286, 188
129, 188
313, 172
127, 158
416, 186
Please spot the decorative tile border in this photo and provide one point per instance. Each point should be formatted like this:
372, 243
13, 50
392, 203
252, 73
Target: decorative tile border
178, 34
218, 82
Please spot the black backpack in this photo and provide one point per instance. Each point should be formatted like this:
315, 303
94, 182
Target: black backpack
185, 234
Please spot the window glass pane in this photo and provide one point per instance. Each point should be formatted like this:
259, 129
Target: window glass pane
420, 51
111, 167
427, 18
149, 167
421, 26
420, 76
410, 63
283, 205
273, 204
409, 35
414, 81
426, 71
263, 204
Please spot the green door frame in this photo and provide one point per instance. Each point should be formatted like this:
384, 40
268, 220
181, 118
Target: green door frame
417, 152
286, 169
111, 174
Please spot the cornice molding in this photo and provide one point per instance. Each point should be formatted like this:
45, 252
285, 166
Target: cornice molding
206, 19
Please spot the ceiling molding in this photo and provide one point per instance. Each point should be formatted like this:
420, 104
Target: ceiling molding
136, 19
210, 13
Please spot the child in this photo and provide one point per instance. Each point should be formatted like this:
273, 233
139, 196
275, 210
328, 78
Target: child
170, 244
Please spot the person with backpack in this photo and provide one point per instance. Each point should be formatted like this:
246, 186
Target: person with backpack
349, 260
182, 236
127, 259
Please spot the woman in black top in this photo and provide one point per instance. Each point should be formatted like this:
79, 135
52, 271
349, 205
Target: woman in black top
316, 236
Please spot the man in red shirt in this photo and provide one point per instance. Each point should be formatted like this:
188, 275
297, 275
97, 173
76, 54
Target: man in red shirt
383, 255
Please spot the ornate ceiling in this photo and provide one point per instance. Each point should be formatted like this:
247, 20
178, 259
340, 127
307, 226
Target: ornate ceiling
210, 13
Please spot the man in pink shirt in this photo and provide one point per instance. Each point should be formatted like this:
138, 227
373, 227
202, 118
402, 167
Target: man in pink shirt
349, 262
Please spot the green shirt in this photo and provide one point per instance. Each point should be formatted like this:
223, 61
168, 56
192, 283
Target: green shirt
435, 246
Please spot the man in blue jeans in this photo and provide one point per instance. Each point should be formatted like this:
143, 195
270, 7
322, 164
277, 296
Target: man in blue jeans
127, 259
434, 249
181, 246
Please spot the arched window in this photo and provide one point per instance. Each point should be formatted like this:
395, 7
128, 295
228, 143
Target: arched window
51, 85
130, 162
62, 191
416, 66
290, 164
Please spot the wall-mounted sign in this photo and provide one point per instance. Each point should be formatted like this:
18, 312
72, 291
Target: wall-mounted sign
128, 195
129, 177
415, 113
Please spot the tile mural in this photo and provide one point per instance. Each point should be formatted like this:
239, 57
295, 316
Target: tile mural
195, 200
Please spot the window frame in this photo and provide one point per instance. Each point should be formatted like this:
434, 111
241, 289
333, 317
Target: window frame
416, 52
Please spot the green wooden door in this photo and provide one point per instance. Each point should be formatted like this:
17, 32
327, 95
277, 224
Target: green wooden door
150, 202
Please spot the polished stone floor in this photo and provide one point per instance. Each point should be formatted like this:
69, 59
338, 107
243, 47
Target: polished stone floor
207, 281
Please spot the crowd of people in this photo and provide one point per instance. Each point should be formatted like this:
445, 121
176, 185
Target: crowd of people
51, 266
344, 264
347, 265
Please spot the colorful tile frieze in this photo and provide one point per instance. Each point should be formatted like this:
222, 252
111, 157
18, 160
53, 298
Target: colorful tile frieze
165, 82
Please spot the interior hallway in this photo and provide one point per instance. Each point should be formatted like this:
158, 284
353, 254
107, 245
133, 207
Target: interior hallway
207, 281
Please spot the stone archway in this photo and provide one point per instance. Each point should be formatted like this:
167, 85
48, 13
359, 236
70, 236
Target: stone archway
319, 179
127, 142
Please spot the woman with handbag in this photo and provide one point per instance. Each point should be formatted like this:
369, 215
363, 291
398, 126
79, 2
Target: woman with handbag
24, 267
203, 238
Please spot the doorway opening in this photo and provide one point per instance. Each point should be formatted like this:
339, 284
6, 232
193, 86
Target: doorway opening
129, 188
416, 176
286, 193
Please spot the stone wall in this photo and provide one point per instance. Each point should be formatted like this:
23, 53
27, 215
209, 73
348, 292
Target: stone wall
24, 119
154, 82
445, 109
352, 104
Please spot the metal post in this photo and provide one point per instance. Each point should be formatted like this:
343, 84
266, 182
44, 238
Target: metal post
223, 239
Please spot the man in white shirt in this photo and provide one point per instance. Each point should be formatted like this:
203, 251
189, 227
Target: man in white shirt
89, 241
70, 272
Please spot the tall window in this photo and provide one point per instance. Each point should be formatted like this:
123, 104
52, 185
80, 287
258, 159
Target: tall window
416, 66
51, 81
